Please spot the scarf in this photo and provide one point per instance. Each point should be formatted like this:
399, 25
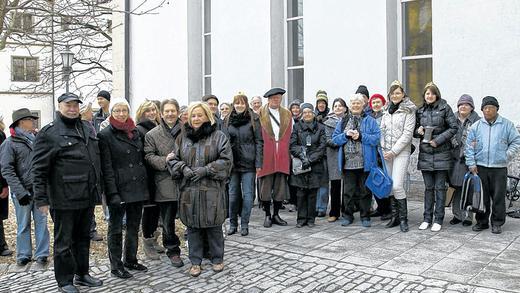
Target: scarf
239, 119
202, 132
393, 107
29, 136
127, 127
175, 129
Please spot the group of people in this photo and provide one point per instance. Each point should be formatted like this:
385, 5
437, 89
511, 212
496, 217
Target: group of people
204, 166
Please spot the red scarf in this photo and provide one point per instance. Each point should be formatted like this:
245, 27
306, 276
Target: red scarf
127, 127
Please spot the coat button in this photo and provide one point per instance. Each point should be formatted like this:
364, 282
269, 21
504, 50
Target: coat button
130, 165
127, 151
138, 150
134, 178
70, 143
140, 163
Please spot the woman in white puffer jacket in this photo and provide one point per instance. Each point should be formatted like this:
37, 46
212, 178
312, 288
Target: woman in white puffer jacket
397, 126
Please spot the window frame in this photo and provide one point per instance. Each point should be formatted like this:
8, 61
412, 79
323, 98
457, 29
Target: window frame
289, 96
206, 22
25, 58
19, 23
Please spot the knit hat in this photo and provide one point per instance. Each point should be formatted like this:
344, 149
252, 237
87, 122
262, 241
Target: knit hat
295, 102
322, 96
363, 90
466, 99
489, 100
304, 106
104, 94
116, 101
376, 96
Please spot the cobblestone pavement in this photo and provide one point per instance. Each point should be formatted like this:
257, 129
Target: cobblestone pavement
326, 258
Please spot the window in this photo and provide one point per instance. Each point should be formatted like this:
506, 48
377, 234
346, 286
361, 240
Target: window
37, 122
23, 22
24, 69
207, 46
295, 62
416, 57
66, 21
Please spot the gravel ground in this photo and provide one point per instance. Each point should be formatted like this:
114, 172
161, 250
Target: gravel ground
98, 249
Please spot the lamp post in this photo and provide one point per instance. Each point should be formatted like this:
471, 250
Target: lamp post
67, 57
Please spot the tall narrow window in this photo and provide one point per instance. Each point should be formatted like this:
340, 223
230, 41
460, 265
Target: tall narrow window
295, 84
207, 47
417, 46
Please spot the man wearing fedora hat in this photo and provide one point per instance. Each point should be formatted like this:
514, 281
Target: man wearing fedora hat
16, 164
67, 173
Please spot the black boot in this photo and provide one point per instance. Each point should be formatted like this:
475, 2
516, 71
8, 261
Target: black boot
278, 221
395, 214
403, 214
267, 222
267, 208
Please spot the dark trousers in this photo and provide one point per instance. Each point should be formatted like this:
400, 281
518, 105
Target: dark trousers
494, 184
93, 225
71, 243
434, 195
215, 242
150, 220
292, 194
384, 206
306, 204
3, 244
134, 213
356, 194
168, 211
335, 198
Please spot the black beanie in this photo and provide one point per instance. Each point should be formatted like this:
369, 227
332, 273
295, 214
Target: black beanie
104, 94
489, 100
363, 90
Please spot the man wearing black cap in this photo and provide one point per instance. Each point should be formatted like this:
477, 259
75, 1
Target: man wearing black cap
103, 99
492, 142
276, 123
16, 164
213, 103
67, 172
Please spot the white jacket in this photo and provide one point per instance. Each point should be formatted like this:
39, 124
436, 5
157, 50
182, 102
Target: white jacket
397, 129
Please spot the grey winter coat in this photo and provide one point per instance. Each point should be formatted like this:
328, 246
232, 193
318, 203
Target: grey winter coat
439, 115
16, 165
202, 203
397, 128
332, 149
159, 142
459, 142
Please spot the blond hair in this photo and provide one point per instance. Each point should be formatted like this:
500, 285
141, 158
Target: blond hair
204, 108
146, 106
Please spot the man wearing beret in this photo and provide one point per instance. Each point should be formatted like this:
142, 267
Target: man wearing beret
66, 179
276, 123
492, 142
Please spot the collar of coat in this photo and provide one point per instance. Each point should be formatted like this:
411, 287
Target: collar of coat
265, 120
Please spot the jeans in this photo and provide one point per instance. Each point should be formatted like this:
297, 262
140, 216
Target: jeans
241, 183
434, 195
71, 243
322, 199
168, 211
494, 184
134, 212
215, 242
23, 231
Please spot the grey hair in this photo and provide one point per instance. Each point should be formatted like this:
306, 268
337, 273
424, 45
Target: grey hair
356, 97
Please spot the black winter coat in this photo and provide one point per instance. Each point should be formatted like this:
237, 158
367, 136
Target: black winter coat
439, 115
16, 165
315, 153
122, 161
4, 202
246, 141
66, 165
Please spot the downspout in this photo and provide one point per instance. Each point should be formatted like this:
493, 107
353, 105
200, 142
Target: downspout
127, 50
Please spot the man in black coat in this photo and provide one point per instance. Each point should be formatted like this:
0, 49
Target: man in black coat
67, 172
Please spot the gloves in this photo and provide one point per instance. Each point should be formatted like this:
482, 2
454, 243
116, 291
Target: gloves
115, 199
25, 200
306, 164
199, 173
187, 172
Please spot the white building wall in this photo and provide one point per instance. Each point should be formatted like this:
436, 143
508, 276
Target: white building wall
240, 48
344, 46
476, 50
158, 50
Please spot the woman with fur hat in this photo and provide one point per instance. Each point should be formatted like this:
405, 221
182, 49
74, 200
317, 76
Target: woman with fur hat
435, 125
126, 188
397, 126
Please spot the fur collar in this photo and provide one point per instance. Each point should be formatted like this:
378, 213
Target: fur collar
205, 130
239, 119
285, 121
